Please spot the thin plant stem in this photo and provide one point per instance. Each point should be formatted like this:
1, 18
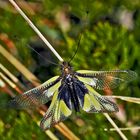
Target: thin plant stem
49, 133
35, 29
128, 99
7, 80
124, 129
9, 74
20, 67
115, 126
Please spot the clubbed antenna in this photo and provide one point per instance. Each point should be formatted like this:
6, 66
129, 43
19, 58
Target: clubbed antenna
46, 60
41, 55
80, 37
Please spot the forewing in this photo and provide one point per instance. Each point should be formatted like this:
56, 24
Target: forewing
105, 79
95, 103
57, 112
36, 96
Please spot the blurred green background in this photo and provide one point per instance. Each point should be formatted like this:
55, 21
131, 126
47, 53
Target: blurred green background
110, 40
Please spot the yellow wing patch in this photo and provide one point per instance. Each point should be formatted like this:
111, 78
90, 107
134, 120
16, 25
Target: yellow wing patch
94, 102
58, 111
64, 109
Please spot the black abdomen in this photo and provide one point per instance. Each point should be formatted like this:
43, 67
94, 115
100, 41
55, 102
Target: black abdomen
72, 92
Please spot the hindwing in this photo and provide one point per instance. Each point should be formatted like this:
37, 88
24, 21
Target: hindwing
58, 111
95, 103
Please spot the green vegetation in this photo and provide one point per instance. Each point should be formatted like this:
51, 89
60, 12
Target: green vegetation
110, 40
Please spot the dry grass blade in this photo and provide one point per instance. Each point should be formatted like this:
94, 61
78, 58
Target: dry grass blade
115, 126
36, 30
10, 83
2, 84
7, 80
4, 87
66, 129
49, 133
124, 129
128, 99
9, 74
19, 66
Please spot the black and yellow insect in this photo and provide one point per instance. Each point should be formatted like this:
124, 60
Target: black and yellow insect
73, 91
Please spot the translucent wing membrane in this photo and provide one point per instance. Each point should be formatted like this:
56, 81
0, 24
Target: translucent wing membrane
36, 96
95, 103
64, 101
105, 79
58, 111
73, 97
